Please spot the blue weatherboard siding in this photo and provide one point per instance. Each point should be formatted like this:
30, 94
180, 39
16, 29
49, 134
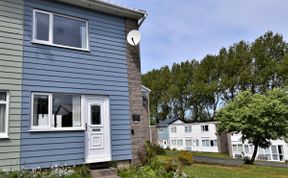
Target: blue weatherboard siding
164, 135
102, 71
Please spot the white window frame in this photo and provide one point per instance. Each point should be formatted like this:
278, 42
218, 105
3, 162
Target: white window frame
173, 129
7, 103
188, 129
50, 126
50, 36
203, 128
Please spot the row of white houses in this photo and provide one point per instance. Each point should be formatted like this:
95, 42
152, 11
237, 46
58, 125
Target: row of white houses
202, 137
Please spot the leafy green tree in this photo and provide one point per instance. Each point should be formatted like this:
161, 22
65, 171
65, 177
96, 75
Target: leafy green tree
180, 88
207, 89
158, 81
269, 52
260, 118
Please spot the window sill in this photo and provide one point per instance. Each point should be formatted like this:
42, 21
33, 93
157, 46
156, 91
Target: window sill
56, 130
59, 46
4, 137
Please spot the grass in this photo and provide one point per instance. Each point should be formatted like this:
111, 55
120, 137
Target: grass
208, 154
208, 171
247, 171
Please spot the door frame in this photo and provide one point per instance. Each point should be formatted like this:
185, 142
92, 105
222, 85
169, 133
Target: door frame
106, 123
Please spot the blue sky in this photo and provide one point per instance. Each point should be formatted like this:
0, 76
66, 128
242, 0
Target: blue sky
179, 30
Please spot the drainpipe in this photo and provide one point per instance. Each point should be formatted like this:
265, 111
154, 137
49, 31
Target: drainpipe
142, 20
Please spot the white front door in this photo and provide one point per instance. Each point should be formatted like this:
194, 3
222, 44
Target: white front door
98, 134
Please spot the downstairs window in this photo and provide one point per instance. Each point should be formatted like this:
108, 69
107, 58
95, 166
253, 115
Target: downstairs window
56, 111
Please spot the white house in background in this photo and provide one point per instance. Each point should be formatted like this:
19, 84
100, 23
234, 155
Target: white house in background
278, 151
200, 136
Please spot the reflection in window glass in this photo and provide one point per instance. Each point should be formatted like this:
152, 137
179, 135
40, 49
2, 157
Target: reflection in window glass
2, 118
69, 32
95, 115
66, 111
2, 96
40, 110
42, 26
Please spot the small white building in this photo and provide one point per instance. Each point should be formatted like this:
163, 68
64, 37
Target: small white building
200, 136
278, 151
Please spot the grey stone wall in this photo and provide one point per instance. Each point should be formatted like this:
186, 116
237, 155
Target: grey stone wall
139, 129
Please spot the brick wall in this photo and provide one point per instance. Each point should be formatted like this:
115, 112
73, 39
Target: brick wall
139, 130
154, 135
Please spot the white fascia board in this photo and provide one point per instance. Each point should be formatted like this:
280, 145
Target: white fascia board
108, 8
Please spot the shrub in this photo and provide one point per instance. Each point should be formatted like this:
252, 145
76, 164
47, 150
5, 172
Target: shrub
153, 150
185, 157
171, 165
159, 150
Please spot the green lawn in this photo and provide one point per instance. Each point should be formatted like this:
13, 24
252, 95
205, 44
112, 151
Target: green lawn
208, 154
205, 170
247, 171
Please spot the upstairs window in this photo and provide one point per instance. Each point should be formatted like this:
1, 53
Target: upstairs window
188, 129
4, 100
173, 129
204, 128
59, 30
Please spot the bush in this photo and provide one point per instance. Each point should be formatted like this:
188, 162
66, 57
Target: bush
185, 157
154, 169
153, 150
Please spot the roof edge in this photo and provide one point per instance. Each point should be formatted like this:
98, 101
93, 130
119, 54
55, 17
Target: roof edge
109, 8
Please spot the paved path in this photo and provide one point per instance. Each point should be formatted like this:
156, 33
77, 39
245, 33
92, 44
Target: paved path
235, 162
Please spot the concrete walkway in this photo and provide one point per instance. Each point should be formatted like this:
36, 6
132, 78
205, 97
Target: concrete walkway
235, 162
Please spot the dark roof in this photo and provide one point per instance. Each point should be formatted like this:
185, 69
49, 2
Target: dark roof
166, 122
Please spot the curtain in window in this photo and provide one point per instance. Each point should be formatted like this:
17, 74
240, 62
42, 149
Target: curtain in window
2, 117
76, 111
83, 35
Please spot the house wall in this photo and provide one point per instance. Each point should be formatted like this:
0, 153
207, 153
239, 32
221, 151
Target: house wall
139, 129
163, 134
153, 134
11, 45
235, 139
194, 135
102, 71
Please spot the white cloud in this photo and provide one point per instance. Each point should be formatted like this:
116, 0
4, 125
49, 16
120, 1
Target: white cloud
184, 29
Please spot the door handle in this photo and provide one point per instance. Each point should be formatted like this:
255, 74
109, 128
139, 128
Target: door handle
86, 126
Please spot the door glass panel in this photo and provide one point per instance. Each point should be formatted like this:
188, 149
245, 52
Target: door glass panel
96, 115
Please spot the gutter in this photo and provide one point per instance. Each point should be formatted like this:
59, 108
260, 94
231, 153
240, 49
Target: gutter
109, 8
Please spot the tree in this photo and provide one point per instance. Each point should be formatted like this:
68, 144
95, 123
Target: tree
269, 53
207, 89
260, 118
180, 89
158, 81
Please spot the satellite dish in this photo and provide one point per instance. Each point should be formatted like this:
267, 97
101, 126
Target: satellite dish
134, 37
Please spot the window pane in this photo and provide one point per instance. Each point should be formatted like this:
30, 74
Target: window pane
40, 110
42, 26
2, 96
95, 115
2, 118
69, 32
66, 111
